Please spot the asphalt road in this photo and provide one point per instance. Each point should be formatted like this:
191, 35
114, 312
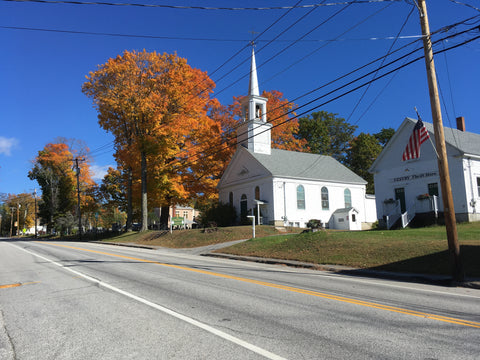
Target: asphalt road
65, 300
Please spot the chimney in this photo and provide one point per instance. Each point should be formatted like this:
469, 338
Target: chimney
461, 123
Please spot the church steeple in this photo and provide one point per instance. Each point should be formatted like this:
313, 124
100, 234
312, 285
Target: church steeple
253, 85
255, 132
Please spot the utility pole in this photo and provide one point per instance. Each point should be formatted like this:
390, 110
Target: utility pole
448, 208
18, 219
78, 197
35, 215
11, 220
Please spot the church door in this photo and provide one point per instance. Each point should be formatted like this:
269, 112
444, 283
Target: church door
400, 195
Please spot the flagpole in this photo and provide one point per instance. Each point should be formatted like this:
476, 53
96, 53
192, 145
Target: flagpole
429, 138
448, 208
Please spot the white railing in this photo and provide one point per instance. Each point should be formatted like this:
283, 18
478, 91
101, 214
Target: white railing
408, 215
394, 215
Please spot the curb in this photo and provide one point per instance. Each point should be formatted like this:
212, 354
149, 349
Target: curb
440, 280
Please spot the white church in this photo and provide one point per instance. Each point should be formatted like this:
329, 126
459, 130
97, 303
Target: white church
409, 189
288, 188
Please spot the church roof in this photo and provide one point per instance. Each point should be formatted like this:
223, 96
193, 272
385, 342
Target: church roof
292, 164
466, 142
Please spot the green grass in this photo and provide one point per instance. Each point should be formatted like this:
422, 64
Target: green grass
422, 250
195, 237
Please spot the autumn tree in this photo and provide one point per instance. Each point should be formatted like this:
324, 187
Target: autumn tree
280, 113
155, 107
326, 134
54, 172
21, 207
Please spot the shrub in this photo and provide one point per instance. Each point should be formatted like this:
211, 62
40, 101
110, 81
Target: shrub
218, 213
314, 224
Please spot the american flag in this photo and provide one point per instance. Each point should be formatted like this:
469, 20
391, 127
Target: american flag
418, 137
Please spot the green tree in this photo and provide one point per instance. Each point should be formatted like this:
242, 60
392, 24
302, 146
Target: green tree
384, 136
360, 156
326, 134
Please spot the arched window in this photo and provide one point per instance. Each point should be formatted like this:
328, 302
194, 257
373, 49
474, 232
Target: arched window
257, 193
300, 197
243, 206
347, 195
325, 204
230, 198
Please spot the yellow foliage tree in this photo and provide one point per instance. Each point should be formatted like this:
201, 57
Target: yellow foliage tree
155, 107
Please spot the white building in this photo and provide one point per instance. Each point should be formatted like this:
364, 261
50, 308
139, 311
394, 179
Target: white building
287, 188
412, 188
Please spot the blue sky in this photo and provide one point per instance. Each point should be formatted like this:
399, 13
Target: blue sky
41, 72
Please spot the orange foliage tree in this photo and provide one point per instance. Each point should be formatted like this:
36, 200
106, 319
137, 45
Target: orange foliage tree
54, 172
279, 113
155, 107
21, 207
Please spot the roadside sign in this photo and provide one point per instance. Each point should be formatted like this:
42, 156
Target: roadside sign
177, 221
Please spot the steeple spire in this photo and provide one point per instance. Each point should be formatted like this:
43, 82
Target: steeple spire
253, 85
255, 131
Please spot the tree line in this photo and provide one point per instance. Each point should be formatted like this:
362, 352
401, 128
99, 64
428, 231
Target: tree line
172, 142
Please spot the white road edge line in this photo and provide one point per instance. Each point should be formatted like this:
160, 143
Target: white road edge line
265, 353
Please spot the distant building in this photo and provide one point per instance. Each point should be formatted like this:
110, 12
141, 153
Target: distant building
188, 213
288, 188
411, 188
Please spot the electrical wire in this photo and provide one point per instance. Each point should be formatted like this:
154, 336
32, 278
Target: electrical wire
229, 138
226, 145
199, 7
468, 5
177, 38
381, 64
321, 47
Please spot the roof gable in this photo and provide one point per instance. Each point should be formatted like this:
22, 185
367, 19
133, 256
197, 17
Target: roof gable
457, 141
242, 167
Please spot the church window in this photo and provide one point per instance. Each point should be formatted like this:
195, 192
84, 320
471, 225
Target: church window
300, 197
257, 193
347, 195
325, 204
433, 189
230, 198
243, 206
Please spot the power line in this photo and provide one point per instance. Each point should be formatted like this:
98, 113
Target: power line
321, 47
226, 145
176, 38
383, 60
287, 47
360, 68
468, 5
181, 7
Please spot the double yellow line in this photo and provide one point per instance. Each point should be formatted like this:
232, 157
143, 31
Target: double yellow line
294, 289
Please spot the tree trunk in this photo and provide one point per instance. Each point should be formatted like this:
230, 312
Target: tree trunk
144, 192
128, 225
164, 217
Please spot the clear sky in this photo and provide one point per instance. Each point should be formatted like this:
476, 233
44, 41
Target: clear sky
41, 72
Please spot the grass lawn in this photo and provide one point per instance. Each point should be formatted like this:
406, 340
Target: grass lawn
423, 250
195, 237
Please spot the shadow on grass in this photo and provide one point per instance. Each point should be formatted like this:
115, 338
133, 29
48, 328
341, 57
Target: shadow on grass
438, 264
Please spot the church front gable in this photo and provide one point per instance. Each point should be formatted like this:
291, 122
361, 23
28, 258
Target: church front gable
242, 168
